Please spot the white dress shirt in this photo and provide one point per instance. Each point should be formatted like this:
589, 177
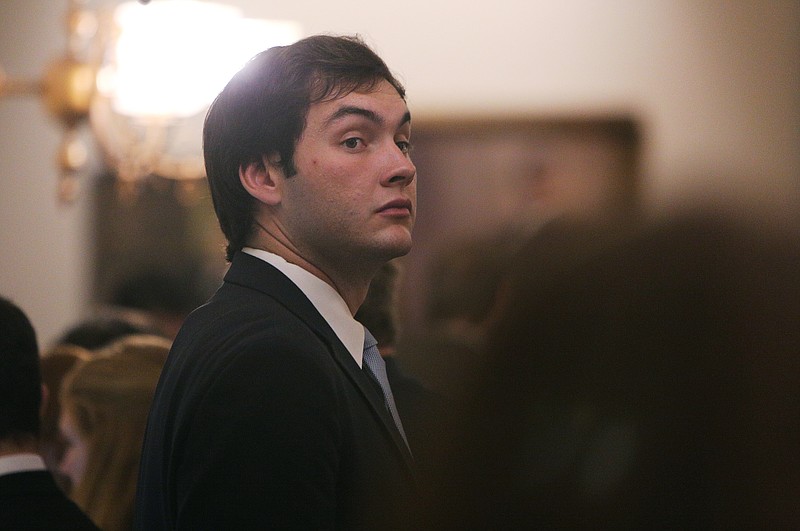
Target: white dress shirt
11, 464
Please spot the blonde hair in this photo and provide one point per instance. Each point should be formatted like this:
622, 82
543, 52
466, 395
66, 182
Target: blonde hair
109, 399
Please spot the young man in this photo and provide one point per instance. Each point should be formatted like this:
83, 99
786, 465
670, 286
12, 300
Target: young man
29, 496
266, 415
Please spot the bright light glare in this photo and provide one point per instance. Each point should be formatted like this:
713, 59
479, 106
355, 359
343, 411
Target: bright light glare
173, 57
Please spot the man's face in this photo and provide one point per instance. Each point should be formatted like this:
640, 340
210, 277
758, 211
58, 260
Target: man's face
354, 195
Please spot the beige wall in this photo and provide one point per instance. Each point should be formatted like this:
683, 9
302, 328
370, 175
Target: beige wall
716, 84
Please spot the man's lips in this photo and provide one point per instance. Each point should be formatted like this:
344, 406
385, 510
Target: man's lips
398, 207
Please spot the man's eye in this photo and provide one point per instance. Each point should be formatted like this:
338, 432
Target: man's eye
352, 143
404, 146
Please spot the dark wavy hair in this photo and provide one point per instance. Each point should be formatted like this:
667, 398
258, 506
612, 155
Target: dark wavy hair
262, 111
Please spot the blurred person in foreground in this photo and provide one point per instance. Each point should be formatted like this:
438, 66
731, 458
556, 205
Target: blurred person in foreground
104, 406
640, 380
266, 415
29, 496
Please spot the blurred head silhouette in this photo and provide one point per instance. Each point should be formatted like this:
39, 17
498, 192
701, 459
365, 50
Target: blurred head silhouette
20, 379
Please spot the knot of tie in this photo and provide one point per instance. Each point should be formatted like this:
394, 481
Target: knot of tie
369, 340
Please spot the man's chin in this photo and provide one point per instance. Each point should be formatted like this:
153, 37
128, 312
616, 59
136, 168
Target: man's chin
397, 247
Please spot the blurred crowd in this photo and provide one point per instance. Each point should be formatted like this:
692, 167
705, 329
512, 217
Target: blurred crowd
589, 375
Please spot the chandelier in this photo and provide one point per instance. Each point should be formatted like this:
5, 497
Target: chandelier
142, 76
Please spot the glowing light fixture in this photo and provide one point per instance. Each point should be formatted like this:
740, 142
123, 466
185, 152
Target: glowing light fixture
144, 76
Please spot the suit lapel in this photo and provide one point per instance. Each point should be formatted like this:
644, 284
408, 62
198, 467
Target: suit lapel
252, 272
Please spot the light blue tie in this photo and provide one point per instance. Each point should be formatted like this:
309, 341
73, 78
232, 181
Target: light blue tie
376, 365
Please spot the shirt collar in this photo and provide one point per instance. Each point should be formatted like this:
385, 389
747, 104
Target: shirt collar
325, 299
11, 464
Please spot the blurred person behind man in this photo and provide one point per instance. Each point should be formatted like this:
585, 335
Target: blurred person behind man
266, 415
105, 327
464, 277
423, 410
56, 362
163, 298
79, 342
104, 406
29, 496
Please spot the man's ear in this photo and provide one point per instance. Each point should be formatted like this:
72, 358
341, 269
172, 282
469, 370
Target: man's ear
263, 180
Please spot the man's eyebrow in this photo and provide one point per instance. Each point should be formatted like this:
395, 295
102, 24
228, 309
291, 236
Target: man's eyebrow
351, 110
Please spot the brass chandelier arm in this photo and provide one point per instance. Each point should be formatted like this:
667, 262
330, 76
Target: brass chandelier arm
66, 90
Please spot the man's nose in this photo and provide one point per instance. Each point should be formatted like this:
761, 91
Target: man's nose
403, 171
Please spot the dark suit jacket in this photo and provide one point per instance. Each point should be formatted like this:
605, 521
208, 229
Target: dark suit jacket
32, 501
262, 419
